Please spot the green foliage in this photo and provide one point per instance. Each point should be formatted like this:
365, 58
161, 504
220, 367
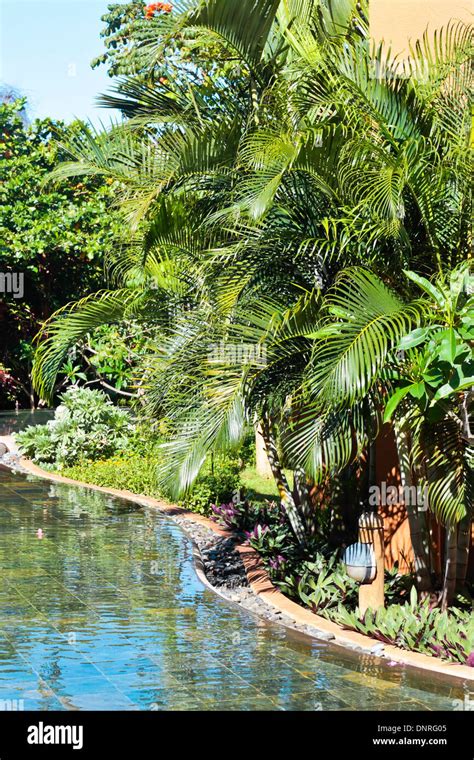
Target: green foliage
321, 583
126, 471
438, 363
314, 575
119, 22
136, 470
415, 361
237, 516
310, 164
86, 425
111, 357
397, 586
276, 204
415, 626
56, 237
271, 538
213, 487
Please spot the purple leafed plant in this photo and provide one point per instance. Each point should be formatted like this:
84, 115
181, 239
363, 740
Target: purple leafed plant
256, 532
235, 516
226, 515
277, 562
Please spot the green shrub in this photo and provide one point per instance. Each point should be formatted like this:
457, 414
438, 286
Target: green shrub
86, 426
127, 472
213, 487
133, 471
323, 584
312, 575
415, 626
237, 516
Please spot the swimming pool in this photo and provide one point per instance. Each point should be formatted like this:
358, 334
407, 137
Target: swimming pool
101, 608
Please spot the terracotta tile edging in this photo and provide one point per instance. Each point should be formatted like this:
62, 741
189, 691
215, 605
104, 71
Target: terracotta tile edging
262, 586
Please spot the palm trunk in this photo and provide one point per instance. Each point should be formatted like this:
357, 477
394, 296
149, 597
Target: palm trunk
262, 464
462, 553
449, 584
416, 521
303, 501
286, 496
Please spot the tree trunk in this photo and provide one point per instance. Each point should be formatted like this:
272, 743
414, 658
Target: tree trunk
286, 496
462, 553
262, 465
32, 398
303, 501
449, 583
416, 521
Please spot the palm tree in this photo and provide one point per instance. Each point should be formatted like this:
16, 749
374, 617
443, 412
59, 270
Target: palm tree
246, 190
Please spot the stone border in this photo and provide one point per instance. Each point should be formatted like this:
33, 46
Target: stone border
263, 588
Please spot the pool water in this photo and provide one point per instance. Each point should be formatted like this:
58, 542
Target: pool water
105, 611
13, 422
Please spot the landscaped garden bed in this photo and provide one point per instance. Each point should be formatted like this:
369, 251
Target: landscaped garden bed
287, 288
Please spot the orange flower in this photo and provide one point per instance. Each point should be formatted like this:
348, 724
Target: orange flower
151, 9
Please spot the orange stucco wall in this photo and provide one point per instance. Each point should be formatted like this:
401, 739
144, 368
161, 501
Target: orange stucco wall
397, 21
396, 529
397, 543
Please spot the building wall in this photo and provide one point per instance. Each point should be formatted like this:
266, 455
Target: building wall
397, 21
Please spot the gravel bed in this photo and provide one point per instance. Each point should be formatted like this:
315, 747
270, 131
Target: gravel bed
12, 461
225, 571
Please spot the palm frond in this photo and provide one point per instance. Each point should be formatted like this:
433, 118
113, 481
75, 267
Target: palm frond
243, 24
65, 328
365, 322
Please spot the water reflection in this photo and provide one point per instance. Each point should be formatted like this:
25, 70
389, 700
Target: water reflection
105, 611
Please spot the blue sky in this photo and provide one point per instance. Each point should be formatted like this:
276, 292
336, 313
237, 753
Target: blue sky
45, 51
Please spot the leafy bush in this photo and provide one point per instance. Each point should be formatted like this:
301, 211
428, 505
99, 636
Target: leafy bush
246, 453
136, 471
415, 626
313, 576
270, 541
86, 426
397, 585
238, 516
127, 472
214, 487
322, 584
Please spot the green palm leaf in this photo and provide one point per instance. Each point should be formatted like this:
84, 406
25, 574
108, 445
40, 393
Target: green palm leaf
365, 322
69, 324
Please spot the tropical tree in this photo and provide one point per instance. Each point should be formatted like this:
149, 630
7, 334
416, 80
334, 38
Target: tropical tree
415, 360
249, 185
